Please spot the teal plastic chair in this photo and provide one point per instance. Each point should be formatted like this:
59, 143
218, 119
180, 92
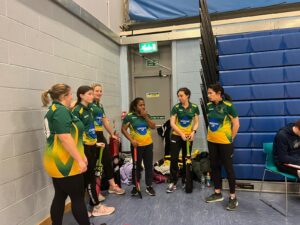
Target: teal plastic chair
271, 167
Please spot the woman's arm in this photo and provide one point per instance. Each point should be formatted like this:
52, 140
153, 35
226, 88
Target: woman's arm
108, 128
195, 127
235, 126
150, 122
127, 135
69, 145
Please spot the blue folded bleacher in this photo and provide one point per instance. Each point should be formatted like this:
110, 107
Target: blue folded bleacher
253, 140
265, 124
258, 156
260, 59
243, 171
261, 124
242, 155
249, 156
261, 72
258, 34
268, 108
264, 91
259, 43
292, 107
261, 75
287, 107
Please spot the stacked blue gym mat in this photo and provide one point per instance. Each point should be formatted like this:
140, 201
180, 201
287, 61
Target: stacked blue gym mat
261, 72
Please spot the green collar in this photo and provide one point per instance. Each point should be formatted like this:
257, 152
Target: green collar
219, 103
190, 105
57, 102
83, 106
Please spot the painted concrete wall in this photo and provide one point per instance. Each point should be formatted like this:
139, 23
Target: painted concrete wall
186, 73
42, 44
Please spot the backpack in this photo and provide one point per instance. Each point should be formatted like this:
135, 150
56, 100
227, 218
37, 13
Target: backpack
158, 177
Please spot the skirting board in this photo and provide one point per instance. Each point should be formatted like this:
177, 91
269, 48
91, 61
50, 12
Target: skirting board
47, 221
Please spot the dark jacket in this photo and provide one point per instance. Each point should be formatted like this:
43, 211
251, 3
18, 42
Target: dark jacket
286, 147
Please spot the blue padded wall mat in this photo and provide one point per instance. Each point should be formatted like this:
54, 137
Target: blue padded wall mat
264, 91
259, 44
260, 59
260, 76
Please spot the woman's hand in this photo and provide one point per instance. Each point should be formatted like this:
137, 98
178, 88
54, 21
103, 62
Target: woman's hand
115, 137
134, 143
85, 160
191, 136
183, 137
144, 113
100, 144
82, 166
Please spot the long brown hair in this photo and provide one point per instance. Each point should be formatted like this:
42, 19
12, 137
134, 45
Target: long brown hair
55, 92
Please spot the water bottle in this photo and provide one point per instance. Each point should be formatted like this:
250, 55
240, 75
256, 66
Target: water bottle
202, 181
208, 180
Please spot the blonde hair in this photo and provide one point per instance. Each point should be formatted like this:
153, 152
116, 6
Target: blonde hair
96, 85
55, 92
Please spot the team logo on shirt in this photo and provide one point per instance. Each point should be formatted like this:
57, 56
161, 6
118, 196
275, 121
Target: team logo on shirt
142, 130
184, 121
92, 132
214, 124
99, 119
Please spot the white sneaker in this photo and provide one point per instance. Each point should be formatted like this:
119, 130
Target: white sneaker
171, 188
116, 190
102, 210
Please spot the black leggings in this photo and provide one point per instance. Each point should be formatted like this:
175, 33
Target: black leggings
176, 144
221, 154
72, 186
106, 159
144, 153
91, 152
286, 169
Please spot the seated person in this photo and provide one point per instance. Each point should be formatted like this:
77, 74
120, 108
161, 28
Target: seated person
287, 149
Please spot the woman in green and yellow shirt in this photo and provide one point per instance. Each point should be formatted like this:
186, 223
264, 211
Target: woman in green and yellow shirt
64, 158
184, 122
223, 127
84, 112
101, 122
139, 123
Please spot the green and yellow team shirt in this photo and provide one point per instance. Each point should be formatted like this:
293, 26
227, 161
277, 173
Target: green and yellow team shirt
57, 161
219, 129
185, 117
99, 114
139, 129
85, 114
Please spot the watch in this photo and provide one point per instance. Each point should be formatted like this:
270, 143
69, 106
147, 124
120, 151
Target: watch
195, 131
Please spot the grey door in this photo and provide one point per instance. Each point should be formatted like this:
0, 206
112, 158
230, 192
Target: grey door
156, 92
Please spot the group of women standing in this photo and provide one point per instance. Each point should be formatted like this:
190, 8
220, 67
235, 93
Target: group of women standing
222, 129
71, 151
74, 136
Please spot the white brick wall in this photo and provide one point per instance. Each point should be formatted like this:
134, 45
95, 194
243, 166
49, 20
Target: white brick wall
40, 45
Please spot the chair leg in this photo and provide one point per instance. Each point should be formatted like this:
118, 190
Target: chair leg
286, 196
262, 183
270, 204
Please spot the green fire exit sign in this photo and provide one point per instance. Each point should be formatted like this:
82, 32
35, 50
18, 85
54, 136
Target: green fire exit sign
148, 47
